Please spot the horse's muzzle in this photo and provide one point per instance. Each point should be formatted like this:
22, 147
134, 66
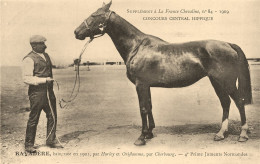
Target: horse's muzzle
77, 36
80, 37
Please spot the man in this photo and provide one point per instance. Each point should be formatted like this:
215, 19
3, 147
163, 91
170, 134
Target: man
37, 73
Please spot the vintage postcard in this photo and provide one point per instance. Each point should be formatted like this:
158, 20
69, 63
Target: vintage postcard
130, 81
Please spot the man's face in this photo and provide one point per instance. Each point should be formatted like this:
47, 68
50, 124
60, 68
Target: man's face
39, 47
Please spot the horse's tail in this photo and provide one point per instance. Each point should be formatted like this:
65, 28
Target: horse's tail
244, 81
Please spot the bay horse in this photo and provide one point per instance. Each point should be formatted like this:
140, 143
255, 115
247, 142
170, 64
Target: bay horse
153, 62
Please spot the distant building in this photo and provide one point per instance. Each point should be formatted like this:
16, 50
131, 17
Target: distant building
104, 63
114, 63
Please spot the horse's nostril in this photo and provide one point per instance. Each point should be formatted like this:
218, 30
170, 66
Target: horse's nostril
75, 32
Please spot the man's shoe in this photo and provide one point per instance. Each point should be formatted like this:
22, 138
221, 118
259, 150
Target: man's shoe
30, 149
54, 145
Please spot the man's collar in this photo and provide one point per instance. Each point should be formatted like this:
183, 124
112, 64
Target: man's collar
37, 52
40, 54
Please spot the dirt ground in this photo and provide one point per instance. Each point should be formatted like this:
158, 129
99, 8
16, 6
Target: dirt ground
101, 125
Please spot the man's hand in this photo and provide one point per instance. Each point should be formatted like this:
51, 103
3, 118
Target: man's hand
49, 79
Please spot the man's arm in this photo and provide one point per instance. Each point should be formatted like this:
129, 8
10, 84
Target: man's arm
28, 78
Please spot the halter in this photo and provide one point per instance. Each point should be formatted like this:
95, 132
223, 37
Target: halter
102, 25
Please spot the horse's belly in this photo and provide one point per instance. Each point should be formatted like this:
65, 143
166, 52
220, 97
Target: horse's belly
178, 75
178, 80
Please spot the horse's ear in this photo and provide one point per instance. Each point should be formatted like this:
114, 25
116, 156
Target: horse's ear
106, 6
103, 4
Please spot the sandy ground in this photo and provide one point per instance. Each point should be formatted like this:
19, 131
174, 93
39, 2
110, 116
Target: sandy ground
101, 125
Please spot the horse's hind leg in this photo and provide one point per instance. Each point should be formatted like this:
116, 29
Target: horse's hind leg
225, 103
241, 107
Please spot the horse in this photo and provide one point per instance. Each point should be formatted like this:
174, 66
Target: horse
153, 62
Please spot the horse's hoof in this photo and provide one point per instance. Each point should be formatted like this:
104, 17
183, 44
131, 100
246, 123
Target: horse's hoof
242, 139
218, 138
149, 136
226, 133
140, 142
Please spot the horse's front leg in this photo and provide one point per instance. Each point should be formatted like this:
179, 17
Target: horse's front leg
149, 135
143, 92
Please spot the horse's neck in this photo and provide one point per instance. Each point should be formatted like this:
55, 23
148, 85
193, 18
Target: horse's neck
124, 35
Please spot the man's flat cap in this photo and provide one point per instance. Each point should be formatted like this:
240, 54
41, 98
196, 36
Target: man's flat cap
37, 39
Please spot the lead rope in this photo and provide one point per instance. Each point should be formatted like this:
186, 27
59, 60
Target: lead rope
53, 116
77, 80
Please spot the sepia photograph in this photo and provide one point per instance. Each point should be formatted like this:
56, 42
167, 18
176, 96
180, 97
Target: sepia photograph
120, 81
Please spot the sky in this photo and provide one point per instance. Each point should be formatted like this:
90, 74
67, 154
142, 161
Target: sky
57, 20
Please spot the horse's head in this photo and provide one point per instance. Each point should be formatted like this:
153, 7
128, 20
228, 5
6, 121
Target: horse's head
95, 24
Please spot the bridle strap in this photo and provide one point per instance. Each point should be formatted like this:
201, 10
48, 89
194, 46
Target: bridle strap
107, 15
86, 24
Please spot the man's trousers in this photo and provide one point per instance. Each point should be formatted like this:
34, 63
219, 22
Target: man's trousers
39, 102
